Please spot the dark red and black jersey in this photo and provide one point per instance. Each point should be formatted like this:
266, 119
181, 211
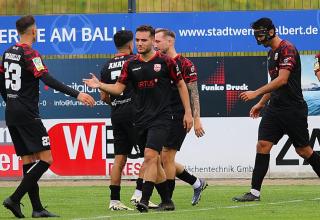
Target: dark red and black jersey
286, 56
121, 106
189, 74
152, 84
22, 67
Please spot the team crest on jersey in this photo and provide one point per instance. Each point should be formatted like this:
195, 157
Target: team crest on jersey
38, 63
157, 67
276, 56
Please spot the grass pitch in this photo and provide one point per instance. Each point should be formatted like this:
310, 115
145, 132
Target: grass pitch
91, 202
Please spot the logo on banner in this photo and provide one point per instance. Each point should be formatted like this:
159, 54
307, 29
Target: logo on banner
78, 148
10, 163
281, 160
217, 82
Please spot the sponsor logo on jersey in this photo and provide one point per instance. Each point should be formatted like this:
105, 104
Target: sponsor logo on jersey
38, 63
135, 69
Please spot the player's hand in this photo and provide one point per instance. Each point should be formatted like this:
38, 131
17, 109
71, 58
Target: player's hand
248, 95
187, 121
198, 129
255, 110
93, 82
86, 99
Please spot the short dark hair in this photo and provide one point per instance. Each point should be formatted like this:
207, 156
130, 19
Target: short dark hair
146, 28
263, 23
23, 23
166, 32
122, 37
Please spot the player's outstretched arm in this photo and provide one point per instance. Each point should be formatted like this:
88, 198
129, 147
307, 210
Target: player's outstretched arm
55, 84
114, 89
281, 80
183, 91
86, 99
195, 107
104, 96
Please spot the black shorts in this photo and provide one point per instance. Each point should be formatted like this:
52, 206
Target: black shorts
29, 138
124, 137
275, 123
153, 136
177, 133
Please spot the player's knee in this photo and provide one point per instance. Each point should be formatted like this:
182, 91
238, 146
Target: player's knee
120, 161
150, 156
264, 147
304, 152
167, 159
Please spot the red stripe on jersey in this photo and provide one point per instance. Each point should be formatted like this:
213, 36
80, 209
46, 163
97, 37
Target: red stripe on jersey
123, 78
1, 69
31, 58
188, 69
174, 71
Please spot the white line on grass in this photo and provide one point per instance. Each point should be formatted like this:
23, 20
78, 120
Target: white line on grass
197, 210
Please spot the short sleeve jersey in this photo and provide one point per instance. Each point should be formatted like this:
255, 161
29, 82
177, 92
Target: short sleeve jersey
189, 74
286, 56
22, 67
151, 81
121, 106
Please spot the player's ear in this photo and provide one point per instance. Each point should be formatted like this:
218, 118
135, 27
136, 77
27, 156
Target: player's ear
271, 32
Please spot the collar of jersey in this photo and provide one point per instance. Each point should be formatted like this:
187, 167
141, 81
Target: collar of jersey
152, 58
121, 54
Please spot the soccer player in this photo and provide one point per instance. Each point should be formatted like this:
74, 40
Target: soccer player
285, 111
21, 69
317, 66
150, 73
165, 41
122, 115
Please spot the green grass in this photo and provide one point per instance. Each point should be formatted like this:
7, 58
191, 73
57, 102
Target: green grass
278, 202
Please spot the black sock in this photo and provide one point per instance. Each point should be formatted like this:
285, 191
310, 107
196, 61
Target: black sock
171, 185
139, 184
260, 170
34, 191
163, 191
147, 189
314, 161
187, 177
115, 192
29, 180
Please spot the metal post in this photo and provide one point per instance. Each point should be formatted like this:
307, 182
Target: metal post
132, 6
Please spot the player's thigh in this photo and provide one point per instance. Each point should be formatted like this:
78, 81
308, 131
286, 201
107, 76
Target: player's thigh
270, 129
123, 142
19, 145
156, 137
35, 137
177, 134
296, 126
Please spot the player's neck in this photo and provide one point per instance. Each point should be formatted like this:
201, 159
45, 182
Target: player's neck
172, 53
147, 56
124, 51
275, 42
26, 40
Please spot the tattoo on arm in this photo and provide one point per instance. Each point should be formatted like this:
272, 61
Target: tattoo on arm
194, 98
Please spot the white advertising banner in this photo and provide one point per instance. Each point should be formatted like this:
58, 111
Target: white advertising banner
83, 148
229, 146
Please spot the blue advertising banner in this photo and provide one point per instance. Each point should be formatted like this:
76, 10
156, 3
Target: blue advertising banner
196, 32
220, 81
